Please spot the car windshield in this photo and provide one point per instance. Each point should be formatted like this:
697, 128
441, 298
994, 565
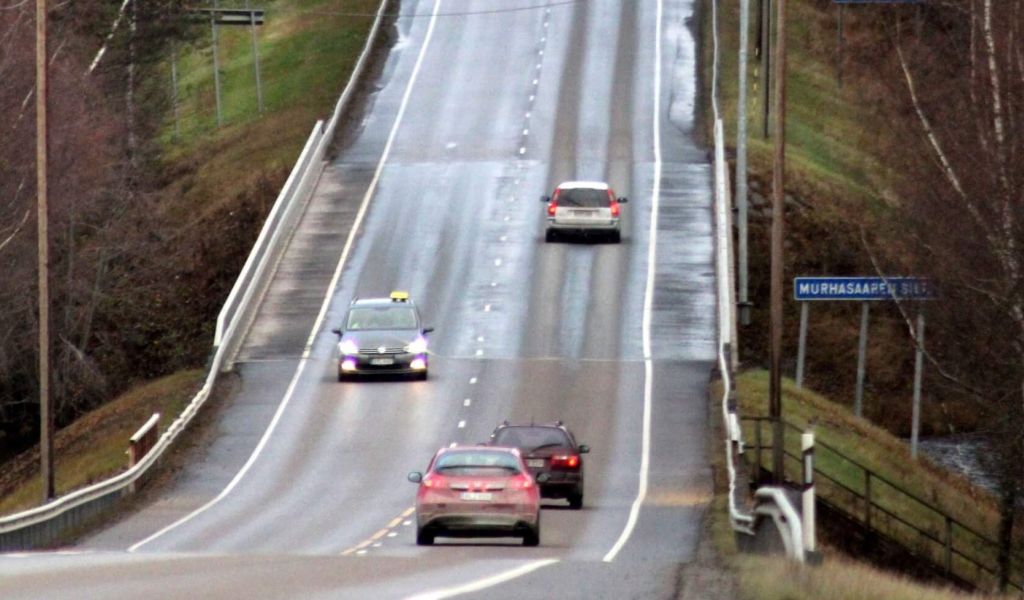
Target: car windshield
381, 317
585, 197
477, 463
531, 438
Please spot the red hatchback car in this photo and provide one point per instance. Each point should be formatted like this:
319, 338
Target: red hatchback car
477, 491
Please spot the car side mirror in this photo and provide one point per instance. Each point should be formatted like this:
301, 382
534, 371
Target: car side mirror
584, 449
542, 477
545, 199
415, 476
427, 330
336, 330
623, 200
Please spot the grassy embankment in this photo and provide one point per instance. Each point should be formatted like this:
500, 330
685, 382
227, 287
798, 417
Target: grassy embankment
306, 55
830, 167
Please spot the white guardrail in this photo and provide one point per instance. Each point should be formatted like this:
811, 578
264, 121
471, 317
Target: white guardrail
740, 519
48, 524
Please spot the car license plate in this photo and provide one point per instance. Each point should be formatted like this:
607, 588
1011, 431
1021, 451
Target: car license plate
582, 213
535, 462
477, 496
382, 362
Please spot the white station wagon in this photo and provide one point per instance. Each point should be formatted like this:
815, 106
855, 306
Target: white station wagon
583, 207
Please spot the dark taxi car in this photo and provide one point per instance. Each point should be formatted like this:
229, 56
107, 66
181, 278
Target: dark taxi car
383, 336
551, 450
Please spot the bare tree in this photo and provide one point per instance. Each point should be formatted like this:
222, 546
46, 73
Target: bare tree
955, 86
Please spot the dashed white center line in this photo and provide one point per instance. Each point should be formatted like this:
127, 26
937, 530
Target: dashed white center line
494, 284
497, 262
487, 308
462, 424
406, 523
536, 81
532, 97
522, 150
526, 132
361, 552
503, 238
452, 445
472, 381
467, 401
479, 338
479, 352
392, 534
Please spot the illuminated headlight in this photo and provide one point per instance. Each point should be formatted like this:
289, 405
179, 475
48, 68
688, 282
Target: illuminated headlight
347, 347
348, 365
417, 346
418, 364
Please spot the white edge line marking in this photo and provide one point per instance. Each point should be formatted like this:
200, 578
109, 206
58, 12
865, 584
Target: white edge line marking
326, 303
652, 255
486, 582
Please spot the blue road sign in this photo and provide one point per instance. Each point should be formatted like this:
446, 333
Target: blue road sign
862, 288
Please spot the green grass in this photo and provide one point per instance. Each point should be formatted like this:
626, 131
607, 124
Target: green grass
827, 151
859, 444
306, 56
94, 447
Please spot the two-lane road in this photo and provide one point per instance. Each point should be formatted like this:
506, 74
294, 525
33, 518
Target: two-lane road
483, 107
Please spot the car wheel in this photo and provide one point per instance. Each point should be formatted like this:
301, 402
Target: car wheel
423, 376
532, 536
550, 235
341, 376
575, 500
616, 237
424, 538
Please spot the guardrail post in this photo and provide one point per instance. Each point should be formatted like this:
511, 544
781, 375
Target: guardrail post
949, 545
807, 446
867, 498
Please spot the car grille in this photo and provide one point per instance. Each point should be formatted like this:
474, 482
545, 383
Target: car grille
387, 350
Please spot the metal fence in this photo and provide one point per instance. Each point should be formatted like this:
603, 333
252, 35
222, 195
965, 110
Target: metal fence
957, 550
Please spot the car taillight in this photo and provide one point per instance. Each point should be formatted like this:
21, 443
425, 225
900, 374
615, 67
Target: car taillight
520, 482
565, 461
615, 208
552, 207
435, 481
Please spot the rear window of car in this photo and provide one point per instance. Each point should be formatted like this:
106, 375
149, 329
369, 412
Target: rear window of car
476, 462
531, 438
381, 317
583, 197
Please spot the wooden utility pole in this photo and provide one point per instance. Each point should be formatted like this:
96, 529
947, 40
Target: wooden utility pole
45, 412
764, 71
778, 229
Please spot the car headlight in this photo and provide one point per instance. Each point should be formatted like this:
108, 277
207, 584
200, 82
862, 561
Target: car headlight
417, 346
347, 347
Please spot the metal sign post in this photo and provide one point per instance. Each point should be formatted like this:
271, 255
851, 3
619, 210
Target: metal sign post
801, 351
248, 17
862, 351
915, 422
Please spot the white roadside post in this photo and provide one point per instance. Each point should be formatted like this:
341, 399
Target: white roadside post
807, 447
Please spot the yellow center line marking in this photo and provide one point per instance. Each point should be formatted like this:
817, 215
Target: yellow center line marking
380, 533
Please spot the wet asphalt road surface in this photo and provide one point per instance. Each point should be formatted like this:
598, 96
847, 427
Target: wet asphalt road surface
302, 493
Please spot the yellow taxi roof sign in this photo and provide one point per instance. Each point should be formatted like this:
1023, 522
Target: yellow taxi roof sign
399, 296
